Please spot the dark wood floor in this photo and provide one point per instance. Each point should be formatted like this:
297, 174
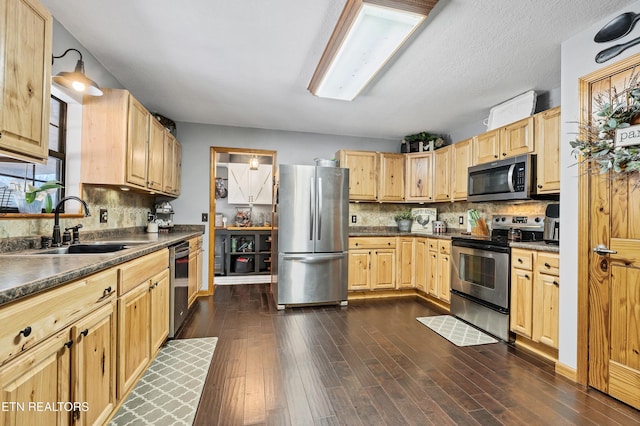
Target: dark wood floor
372, 363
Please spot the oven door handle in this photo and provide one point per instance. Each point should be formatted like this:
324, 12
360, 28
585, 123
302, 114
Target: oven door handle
510, 178
474, 244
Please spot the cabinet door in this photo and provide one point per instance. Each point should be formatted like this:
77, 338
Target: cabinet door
432, 284
94, 364
40, 375
391, 177
545, 309
261, 184
363, 183
359, 270
169, 170
156, 171
442, 175
419, 177
383, 269
517, 138
421, 253
192, 286
137, 135
26, 83
521, 301
444, 275
547, 136
407, 262
133, 336
462, 159
486, 147
177, 168
159, 311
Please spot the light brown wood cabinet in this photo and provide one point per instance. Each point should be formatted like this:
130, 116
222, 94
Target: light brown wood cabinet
195, 269
406, 248
363, 178
513, 139
372, 261
461, 159
547, 140
421, 253
159, 311
419, 177
442, 174
25, 88
534, 295
391, 180
65, 341
439, 264
118, 127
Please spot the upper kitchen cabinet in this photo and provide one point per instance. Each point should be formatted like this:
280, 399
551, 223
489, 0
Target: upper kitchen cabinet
391, 184
547, 137
363, 183
25, 79
461, 159
172, 164
123, 146
419, 172
513, 139
442, 174
247, 186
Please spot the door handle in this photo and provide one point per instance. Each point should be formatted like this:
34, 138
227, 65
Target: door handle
602, 250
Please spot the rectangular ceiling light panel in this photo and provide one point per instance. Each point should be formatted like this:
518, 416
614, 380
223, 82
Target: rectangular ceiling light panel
376, 33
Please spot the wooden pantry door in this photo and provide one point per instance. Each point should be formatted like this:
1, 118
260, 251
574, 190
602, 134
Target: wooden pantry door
610, 282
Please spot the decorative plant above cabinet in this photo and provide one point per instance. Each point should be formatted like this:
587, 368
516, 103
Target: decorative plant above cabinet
423, 141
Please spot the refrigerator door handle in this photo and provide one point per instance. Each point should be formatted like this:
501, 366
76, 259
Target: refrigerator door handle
312, 197
319, 209
313, 258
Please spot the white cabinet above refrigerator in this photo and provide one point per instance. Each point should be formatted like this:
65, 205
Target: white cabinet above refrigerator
248, 186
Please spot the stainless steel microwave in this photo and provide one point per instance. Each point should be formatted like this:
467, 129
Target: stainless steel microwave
509, 179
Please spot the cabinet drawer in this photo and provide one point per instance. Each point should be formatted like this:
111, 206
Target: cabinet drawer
131, 274
433, 244
444, 247
27, 322
522, 259
195, 244
372, 242
548, 263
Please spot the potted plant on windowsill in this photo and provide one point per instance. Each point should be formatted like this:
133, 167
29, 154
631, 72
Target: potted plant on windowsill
30, 199
404, 219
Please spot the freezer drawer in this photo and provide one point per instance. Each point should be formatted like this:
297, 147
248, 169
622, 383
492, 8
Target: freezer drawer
311, 278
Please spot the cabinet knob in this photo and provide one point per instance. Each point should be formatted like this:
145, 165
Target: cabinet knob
519, 260
526, 276
495, 156
504, 154
546, 265
555, 282
539, 186
69, 343
107, 291
85, 332
26, 332
0, 135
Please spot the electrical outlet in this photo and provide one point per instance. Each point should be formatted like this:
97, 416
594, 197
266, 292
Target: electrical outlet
460, 220
205, 217
104, 215
354, 218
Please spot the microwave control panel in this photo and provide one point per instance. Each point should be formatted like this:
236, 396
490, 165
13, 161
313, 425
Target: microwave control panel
520, 177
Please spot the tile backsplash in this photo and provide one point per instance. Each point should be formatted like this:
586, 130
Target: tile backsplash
381, 214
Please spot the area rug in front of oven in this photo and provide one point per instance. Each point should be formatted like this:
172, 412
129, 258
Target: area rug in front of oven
169, 391
456, 331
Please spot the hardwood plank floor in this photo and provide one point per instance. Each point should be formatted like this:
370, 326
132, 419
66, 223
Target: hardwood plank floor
372, 363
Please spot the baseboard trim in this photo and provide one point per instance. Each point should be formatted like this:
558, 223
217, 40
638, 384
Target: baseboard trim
567, 372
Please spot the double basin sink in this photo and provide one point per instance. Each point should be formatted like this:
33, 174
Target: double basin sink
88, 248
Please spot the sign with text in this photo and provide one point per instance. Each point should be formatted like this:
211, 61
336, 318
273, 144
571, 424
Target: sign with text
628, 136
423, 220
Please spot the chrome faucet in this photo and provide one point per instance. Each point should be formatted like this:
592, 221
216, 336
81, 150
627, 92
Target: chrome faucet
56, 240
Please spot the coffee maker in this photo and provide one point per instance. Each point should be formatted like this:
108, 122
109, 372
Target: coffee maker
551, 233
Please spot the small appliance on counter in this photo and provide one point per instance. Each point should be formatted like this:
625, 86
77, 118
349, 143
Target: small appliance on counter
552, 224
439, 227
164, 216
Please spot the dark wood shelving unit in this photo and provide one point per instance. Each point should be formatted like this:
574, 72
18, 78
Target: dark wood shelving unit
247, 252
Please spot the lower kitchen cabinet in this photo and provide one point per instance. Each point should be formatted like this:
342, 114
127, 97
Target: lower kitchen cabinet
94, 365
421, 253
534, 296
159, 313
195, 269
439, 269
406, 262
133, 336
372, 260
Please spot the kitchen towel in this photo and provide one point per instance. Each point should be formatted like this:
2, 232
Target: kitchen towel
169, 391
456, 331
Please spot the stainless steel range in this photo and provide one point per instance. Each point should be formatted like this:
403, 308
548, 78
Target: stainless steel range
480, 275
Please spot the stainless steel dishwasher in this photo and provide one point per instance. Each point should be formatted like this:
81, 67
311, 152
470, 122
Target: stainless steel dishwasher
179, 286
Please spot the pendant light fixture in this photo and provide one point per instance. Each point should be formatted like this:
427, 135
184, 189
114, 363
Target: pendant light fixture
367, 35
254, 163
76, 80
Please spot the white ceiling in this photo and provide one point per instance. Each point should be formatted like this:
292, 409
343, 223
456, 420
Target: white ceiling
248, 63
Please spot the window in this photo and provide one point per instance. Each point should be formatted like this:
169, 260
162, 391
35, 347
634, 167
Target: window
14, 171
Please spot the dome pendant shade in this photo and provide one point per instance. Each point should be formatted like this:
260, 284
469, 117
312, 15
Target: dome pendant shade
77, 80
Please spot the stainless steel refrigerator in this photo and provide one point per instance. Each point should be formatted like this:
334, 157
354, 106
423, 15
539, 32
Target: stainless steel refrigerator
312, 235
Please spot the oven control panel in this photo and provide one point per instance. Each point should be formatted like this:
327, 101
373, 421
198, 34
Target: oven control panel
524, 222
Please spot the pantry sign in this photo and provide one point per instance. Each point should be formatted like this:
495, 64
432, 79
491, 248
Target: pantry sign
628, 136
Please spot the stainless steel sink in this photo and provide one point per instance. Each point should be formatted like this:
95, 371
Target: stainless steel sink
89, 248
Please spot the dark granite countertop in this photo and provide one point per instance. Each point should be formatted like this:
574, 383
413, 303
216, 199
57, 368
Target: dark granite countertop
536, 245
23, 273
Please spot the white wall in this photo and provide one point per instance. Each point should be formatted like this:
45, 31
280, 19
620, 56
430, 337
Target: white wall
291, 147
578, 55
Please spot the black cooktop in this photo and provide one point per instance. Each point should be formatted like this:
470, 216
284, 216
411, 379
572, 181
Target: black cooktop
531, 229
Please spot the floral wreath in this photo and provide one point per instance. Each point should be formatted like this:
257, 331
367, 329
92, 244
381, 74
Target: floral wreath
613, 110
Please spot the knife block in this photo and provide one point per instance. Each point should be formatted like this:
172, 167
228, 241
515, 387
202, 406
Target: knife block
480, 228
